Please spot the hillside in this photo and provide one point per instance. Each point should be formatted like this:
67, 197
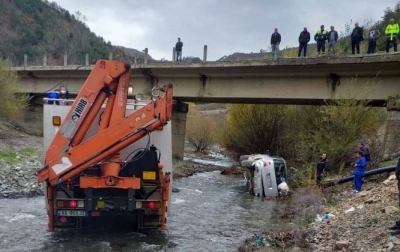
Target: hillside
38, 28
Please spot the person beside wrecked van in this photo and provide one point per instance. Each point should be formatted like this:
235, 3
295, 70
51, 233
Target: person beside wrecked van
359, 171
322, 166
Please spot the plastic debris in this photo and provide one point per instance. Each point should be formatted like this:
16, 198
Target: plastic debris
351, 209
326, 216
260, 240
283, 188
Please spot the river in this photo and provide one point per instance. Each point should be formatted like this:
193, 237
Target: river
210, 213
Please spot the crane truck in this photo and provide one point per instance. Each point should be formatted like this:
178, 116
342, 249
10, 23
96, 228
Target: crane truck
103, 153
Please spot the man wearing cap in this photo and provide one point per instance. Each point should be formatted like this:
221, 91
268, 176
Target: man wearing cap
321, 36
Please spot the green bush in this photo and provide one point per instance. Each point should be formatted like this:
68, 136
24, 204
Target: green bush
300, 134
201, 131
12, 103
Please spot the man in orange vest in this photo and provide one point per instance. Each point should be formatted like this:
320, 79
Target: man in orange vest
392, 30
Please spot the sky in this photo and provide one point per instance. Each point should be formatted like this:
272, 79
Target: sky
225, 26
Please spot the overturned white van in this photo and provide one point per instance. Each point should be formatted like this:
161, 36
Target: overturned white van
267, 175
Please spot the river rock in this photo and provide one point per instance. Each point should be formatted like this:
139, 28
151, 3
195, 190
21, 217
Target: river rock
339, 245
390, 209
175, 190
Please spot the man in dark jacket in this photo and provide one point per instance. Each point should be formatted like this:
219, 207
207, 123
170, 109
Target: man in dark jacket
332, 40
356, 38
178, 48
321, 37
322, 165
275, 41
304, 38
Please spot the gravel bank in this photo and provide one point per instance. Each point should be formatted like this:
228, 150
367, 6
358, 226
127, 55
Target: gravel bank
20, 159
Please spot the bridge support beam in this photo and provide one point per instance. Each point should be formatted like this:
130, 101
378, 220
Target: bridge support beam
392, 131
179, 116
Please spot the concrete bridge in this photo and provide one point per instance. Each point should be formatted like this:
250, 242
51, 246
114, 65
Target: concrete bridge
284, 81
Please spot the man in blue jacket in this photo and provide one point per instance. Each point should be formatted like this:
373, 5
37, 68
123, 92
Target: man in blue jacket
359, 170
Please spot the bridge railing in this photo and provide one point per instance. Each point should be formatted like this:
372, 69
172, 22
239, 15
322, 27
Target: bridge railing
74, 60
44, 60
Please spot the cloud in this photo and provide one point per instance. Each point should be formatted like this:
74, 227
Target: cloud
226, 26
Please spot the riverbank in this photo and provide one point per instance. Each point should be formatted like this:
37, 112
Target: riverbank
336, 219
18, 172
21, 157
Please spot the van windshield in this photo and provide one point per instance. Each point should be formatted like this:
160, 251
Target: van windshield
280, 167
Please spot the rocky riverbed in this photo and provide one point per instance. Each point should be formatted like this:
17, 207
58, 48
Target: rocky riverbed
20, 159
359, 221
21, 156
18, 175
341, 221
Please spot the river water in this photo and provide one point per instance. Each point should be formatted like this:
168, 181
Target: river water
212, 212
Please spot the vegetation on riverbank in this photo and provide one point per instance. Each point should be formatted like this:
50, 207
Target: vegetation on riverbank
299, 134
12, 103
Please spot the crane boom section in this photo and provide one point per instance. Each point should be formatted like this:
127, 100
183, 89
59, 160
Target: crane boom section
69, 155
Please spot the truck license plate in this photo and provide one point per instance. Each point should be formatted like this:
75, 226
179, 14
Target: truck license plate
71, 213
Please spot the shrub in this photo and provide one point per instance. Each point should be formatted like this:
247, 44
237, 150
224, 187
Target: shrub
254, 128
201, 131
12, 103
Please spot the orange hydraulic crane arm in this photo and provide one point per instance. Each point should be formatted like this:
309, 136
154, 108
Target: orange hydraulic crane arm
68, 156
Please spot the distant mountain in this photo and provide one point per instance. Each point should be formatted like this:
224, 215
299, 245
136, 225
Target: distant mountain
37, 28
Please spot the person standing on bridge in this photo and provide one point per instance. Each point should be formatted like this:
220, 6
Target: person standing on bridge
178, 49
391, 32
332, 40
321, 37
304, 38
275, 41
373, 36
356, 38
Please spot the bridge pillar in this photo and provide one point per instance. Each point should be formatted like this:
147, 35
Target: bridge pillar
392, 131
179, 115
